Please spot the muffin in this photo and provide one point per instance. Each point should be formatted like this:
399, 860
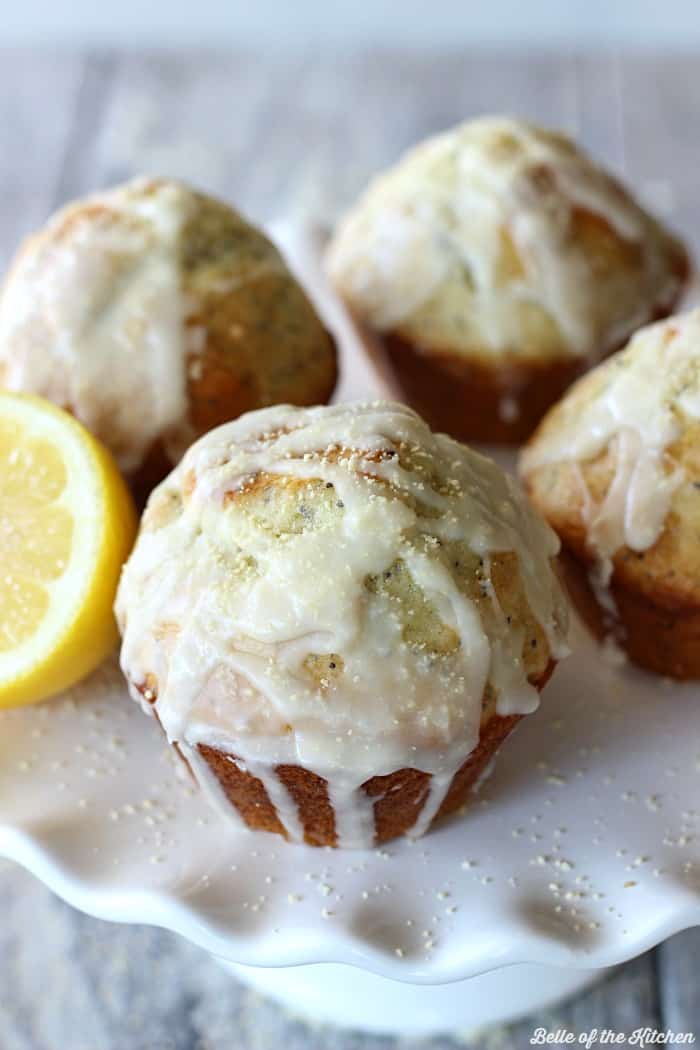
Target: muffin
154, 313
615, 469
497, 262
337, 617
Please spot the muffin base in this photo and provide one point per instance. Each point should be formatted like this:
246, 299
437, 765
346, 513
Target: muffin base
399, 796
500, 403
660, 637
473, 400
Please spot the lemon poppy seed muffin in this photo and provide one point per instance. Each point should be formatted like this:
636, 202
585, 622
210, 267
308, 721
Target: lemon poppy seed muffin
615, 468
154, 313
337, 616
497, 262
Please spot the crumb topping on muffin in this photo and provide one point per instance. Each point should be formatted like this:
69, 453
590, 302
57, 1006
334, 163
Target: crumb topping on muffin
341, 589
147, 309
501, 237
633, 410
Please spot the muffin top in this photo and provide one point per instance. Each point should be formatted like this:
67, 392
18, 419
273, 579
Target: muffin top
338, 588
616, 464
500, 237
123, 308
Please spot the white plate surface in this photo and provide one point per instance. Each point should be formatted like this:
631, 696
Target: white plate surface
582, 850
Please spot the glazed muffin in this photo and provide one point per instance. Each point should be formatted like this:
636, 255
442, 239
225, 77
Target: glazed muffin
154, 313
337, 617
497, 262
615, 469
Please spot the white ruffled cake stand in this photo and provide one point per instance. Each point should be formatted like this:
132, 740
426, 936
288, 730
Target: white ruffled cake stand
579, 852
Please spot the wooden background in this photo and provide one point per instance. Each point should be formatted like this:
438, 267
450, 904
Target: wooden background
275, 135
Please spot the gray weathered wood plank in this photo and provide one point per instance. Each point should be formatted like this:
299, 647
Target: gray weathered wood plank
660, 132
598, 107
38, 105
679, 982
95, 84
277, 133
627, 1000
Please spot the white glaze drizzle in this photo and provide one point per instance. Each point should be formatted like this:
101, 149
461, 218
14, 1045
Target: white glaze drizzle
436, 220
435, 792
353, 810
484, 775
636, 407
92, 316
227, 644
279, 796
285, 806
208, 782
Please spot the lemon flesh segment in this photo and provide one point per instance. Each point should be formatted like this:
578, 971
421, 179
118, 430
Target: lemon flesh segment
67, 524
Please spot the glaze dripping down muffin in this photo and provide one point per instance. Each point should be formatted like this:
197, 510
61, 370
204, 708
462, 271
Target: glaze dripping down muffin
615, 468
154, 313
497, 262
337, 616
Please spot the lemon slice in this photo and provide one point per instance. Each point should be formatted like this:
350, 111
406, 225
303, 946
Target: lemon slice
67, 523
